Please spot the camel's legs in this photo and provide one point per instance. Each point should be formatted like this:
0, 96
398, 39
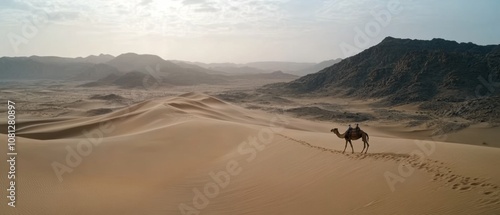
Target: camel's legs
364, 145
345, 147
367, 146
352, 148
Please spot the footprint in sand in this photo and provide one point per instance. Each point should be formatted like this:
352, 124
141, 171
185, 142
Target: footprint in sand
493, 201
437, 168
465, 188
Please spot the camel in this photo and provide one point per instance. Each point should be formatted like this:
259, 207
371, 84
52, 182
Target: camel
354, 136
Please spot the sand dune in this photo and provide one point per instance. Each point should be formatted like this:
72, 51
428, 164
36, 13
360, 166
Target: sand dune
195, 154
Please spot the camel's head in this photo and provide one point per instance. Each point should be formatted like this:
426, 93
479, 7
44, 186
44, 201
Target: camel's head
334, 130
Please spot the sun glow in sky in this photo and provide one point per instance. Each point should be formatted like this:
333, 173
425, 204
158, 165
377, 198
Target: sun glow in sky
236, 30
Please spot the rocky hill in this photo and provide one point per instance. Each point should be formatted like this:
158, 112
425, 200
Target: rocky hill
405, 71
442, 77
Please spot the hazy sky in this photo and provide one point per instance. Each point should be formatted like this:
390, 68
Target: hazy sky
236, 30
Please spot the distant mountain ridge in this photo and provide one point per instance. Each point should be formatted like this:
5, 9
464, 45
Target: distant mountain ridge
405, 71
129, 70
102, 58
102, 67
294, 68
320, 66
56, 68
137, 68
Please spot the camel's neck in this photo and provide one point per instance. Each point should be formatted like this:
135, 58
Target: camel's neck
340, 135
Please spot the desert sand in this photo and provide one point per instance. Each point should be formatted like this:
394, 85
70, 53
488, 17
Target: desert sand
196, 154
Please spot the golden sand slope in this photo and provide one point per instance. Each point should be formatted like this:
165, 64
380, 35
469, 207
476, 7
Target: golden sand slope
195, 154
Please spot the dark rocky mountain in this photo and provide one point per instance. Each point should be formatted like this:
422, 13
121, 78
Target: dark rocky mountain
442, 77
405, 71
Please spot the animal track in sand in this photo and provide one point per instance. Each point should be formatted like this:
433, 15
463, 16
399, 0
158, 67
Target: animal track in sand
439, 171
